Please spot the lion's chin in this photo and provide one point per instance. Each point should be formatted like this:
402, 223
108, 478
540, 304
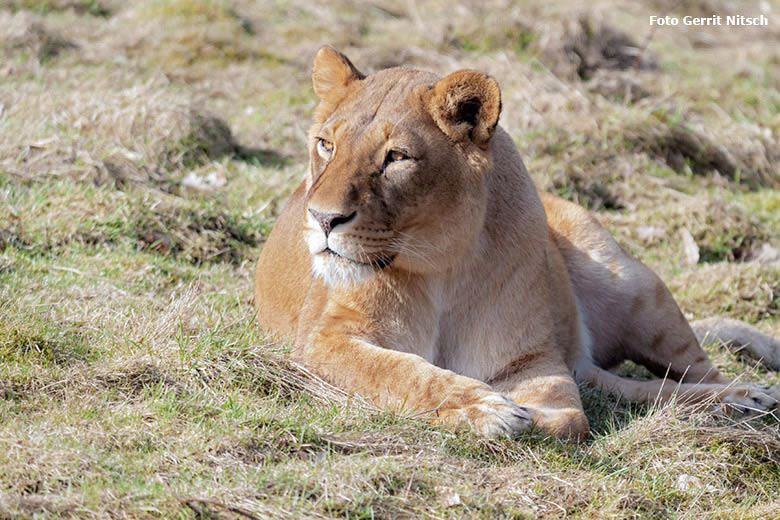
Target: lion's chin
337, 271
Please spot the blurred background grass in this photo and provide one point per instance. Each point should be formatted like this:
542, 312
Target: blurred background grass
146, 148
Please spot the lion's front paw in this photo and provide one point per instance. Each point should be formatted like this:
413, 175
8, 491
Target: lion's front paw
750, 399
491, 415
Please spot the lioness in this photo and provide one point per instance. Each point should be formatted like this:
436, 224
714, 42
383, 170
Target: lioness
417, 265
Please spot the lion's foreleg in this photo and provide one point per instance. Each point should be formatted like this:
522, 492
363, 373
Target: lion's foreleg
406, 382
545, 386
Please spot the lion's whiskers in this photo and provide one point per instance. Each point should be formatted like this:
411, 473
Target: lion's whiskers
411, 249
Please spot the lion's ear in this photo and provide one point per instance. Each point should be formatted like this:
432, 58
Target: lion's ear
465, 105
332, 74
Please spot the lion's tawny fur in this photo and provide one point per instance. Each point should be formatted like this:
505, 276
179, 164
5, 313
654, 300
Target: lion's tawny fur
417, 265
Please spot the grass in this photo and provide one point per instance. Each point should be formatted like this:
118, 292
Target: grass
145, 152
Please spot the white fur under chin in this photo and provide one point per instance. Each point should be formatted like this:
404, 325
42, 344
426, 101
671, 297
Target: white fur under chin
338, 272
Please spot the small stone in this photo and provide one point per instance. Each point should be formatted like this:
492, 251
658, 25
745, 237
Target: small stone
688, 482
690, 249
209, 182
447, 496
765, 254
650, 233
694, 485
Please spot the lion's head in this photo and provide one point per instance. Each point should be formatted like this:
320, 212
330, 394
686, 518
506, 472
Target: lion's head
397, 165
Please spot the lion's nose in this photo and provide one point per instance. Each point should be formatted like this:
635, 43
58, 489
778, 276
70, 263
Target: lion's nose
328, 221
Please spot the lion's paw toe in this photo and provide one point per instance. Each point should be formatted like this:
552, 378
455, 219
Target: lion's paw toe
752, 400
496, 416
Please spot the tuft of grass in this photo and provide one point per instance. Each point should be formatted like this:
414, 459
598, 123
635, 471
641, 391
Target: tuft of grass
41, 344
686, 149
29, 36
196, 232
99, 8
746, 291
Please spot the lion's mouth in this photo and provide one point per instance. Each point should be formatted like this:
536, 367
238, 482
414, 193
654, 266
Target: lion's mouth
378, 263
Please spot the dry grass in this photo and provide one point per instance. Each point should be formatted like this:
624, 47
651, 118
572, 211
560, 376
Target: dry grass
145, 151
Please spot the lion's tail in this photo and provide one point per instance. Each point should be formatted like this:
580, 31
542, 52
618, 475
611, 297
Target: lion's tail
741, 337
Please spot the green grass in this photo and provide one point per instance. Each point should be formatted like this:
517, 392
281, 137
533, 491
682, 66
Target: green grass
142, 168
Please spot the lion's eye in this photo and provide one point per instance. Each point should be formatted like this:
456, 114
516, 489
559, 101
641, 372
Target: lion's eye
395, 156
324, 149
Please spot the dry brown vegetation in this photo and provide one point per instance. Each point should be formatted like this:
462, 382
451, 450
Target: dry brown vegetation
145, 151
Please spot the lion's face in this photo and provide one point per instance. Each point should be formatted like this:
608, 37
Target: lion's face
396, 168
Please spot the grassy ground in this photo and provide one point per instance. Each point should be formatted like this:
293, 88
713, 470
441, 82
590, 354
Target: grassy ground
145, 150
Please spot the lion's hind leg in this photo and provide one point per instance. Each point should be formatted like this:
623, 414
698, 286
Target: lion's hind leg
659, 337
743, 398
740, 337
657, 334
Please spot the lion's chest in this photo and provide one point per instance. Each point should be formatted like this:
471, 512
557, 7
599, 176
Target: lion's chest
476, 337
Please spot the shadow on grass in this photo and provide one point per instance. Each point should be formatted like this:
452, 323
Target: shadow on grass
260, 156
608, 414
